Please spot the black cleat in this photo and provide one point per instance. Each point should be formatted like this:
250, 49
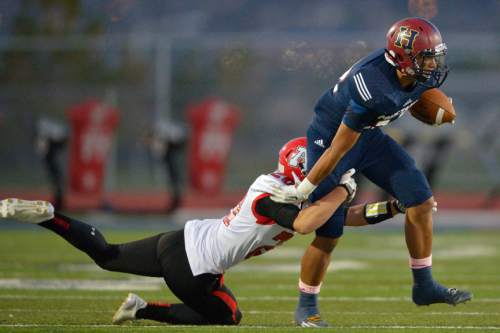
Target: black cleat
436, 293
456, 296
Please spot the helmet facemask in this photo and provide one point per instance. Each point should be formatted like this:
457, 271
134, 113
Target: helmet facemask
434, 77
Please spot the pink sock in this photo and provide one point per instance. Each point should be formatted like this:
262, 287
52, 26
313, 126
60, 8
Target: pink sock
305, 288
421, 263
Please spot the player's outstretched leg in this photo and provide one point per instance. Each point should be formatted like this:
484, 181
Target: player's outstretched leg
137, 257
26, 211
427, 291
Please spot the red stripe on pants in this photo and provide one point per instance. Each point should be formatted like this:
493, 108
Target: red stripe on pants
228, 300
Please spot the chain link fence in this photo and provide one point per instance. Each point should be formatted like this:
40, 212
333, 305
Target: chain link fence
275, 79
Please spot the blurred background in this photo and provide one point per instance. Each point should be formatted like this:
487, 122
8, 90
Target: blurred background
154, 105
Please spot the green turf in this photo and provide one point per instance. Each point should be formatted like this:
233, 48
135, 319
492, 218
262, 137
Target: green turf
370, 295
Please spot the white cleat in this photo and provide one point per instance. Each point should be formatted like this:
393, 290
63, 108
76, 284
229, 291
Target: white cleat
26, 211
128, 309
313, 321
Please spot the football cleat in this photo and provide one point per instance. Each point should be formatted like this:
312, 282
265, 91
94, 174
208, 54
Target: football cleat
439, 294
309, 317
26, 211
313, 321
456, 296
128, 309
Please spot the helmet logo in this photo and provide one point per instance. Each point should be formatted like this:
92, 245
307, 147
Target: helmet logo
406, 38
298, 158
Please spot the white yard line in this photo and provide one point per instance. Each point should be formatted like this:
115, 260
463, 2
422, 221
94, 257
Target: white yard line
153, 284
277, 266
406, 286
28, 310
264, 312
244, 298
81, 284
395, 251
340, 328
340, 265
349, 299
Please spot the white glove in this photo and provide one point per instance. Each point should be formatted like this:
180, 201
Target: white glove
349, 184
288, 193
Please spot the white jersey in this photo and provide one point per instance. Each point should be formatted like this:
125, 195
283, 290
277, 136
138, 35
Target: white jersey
215, 245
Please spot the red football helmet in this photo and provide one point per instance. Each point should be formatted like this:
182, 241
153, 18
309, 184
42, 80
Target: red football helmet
292, 158
413, 41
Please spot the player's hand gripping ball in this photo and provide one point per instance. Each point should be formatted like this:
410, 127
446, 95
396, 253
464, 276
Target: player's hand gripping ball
434, 108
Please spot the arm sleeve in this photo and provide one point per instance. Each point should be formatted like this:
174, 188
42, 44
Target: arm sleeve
282, 214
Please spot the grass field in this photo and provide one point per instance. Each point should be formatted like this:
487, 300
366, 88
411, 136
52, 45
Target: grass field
47, 286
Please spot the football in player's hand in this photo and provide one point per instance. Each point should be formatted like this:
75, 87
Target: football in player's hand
434, 108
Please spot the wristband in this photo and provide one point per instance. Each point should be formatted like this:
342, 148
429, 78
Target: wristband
306, 187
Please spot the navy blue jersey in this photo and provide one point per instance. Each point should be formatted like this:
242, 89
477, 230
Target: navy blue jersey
368, 95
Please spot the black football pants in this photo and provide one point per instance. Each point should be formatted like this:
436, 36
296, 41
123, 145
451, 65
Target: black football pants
205, 298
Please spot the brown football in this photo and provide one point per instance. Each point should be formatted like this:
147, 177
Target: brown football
434, 108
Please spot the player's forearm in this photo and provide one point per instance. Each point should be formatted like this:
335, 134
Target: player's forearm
355, 216
324, 166
314, 216
343, 141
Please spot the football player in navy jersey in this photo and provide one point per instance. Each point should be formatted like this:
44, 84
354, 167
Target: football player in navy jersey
345, 133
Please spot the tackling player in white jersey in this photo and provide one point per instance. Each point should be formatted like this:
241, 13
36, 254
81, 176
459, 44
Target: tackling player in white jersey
192, 261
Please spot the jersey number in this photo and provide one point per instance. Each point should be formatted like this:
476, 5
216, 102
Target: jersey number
280, 238
232, 213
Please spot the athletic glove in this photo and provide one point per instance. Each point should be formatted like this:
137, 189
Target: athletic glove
300, 191
347, 182
292, 193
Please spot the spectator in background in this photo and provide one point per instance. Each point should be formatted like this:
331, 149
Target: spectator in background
167, 143
50, 140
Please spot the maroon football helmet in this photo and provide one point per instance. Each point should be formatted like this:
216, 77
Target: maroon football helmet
292, 158
413, 41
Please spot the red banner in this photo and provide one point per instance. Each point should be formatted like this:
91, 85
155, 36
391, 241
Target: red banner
213, 122
92, 126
